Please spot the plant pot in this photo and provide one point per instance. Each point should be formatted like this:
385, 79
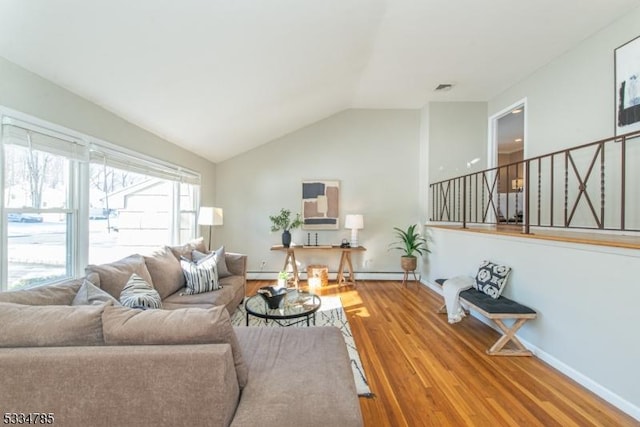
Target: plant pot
409, 263
286, 238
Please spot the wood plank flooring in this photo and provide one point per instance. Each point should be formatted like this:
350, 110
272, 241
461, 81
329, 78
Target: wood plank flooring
426, 372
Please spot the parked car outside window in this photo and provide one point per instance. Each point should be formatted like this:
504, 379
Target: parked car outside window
23, 217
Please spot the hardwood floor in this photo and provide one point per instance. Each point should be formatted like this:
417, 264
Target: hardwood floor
426, 372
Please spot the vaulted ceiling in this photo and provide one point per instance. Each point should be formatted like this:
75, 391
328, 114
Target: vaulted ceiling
221, 77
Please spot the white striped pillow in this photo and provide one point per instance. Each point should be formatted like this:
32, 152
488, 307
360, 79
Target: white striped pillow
201, 276
139, 294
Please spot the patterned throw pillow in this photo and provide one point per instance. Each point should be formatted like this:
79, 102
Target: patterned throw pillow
201, 276
139, 294
221, 260
491, 278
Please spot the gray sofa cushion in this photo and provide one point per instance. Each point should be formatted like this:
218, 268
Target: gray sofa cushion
282, 360
50, 325
115, 275
59, 294
165, 271
125, 326
230, 295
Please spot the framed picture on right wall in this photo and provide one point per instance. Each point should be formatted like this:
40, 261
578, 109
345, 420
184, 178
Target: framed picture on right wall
627, 76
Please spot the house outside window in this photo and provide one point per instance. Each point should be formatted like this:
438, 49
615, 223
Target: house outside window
69, 200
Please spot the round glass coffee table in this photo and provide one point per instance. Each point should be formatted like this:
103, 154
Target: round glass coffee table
296, 307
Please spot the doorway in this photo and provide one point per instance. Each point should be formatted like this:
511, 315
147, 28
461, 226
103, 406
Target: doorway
506, 152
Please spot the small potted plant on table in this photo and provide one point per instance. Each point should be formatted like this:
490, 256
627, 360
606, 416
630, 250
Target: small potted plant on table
283, 222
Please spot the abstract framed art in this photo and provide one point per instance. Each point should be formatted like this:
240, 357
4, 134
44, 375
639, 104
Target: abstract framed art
627, 81
320, 204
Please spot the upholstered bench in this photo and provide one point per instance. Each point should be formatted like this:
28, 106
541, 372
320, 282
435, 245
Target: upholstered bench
498, 310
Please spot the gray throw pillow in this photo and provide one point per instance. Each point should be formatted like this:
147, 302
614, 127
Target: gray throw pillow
139, 294
221, 261
201, 276
164, 269
90, 294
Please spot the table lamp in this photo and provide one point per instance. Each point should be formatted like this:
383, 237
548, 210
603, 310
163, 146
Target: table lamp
355, 223
210, 216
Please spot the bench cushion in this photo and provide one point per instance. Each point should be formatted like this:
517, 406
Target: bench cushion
500, 305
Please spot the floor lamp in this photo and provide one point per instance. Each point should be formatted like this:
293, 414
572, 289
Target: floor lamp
210, 216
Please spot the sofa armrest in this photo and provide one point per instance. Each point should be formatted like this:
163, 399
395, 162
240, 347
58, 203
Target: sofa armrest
176, 385
236, 264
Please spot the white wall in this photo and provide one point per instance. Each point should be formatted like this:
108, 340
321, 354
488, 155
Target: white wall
373, 153
28, 93
571, 100
586, 298
585, 295
457, 134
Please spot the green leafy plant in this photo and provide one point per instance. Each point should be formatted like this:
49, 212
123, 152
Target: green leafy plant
283, 275
283, 221
410, 241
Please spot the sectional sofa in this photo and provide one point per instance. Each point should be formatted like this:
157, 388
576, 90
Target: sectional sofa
99, 364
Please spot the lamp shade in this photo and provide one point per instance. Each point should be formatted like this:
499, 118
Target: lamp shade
517, 184
354, 222
210, 216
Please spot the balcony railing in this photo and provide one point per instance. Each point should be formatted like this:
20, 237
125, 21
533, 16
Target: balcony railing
591, 186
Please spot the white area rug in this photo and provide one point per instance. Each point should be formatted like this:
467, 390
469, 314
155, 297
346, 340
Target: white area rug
330, 313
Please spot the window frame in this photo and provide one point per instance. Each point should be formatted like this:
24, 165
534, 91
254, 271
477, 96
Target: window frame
78, 193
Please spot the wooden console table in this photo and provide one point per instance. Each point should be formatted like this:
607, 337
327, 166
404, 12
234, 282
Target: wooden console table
345, 261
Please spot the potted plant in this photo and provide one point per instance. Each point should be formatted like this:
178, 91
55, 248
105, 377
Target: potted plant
410, 243
283, 222
283, 277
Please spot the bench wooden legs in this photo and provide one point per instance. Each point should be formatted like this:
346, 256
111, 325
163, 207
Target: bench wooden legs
509, 335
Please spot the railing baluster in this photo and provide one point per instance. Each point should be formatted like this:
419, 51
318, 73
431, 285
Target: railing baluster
464, 205
552, 184
539, 188
527, 198
602, 190
566, 188
623, 182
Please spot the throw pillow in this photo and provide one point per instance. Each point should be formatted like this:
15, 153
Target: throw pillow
50, 325
166, 273
137, 293
491, 278
201, 276
115, 275
124, 326
90, 294
221, 261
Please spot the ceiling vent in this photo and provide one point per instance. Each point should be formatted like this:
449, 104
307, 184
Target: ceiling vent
444, 87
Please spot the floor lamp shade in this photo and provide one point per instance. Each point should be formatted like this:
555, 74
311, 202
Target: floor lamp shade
210, 216
355, 223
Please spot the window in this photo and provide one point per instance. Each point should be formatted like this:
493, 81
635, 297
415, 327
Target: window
68, 201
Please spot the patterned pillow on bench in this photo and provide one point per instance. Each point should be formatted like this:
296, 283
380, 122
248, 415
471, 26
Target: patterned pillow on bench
491, 278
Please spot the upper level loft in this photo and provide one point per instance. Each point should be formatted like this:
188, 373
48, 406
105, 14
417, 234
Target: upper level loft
588, 194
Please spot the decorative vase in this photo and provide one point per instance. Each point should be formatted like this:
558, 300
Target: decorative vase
286, 238
409, 263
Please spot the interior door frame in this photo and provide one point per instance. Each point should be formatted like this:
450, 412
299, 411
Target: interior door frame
492, 145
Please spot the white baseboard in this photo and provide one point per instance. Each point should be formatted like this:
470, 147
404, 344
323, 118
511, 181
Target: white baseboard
272, 275
588, 383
